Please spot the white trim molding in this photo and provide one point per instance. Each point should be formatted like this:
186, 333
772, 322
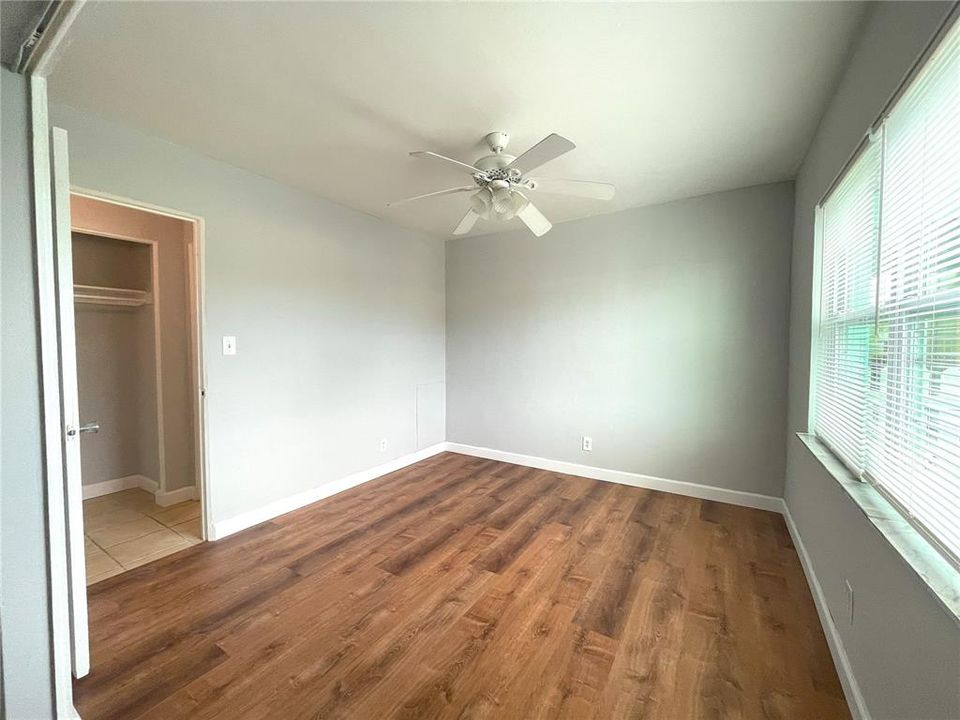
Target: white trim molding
172, 497
677, 487
106, 487
223, 528
164, 499
851, 688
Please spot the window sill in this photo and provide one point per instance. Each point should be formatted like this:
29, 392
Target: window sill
939, 576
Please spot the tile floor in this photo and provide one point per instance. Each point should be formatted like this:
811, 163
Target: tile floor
127, 529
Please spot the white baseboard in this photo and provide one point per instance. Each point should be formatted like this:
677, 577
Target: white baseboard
163, 499
678, 487
223, 528
851, 688
172, 497
106, 487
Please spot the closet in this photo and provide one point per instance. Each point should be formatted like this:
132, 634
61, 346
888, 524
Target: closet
136, 325
116, 359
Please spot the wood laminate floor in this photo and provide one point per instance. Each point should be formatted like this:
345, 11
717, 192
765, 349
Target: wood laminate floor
468, 588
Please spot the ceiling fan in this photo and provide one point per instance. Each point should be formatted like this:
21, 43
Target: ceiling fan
501, 183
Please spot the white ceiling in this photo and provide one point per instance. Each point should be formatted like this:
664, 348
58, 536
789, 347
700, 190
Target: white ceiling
664, 100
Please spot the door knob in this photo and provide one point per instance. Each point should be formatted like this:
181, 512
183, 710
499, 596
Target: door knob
93, 427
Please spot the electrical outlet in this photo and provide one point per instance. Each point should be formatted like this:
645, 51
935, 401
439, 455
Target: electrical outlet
587, 444
383, 445
849, 601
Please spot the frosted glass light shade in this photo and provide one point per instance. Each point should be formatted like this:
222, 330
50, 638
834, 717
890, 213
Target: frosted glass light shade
480, 203
499, 204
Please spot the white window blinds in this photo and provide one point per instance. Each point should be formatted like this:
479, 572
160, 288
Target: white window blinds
849, 223
887, 376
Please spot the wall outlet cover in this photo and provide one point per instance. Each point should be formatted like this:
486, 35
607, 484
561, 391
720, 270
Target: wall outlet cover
383, 445
229, 344
587, 444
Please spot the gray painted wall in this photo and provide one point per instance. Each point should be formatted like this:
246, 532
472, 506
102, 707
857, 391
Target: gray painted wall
904, 648
339, 316
24, 590
660, 332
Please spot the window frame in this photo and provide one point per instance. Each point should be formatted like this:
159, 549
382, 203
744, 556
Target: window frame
874, 134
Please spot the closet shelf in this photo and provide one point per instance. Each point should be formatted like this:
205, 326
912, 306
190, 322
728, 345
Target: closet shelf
95, 295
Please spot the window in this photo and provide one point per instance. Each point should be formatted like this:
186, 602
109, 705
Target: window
886, 381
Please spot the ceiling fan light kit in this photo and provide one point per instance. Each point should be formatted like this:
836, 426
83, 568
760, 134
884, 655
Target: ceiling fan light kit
501, 183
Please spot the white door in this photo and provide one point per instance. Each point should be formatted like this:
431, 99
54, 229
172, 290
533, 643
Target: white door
73, 489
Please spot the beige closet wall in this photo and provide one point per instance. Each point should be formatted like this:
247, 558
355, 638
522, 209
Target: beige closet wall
173, 238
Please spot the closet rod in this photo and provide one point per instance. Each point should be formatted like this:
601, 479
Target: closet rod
96, 295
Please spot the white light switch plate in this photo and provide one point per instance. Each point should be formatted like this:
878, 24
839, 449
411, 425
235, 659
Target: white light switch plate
229, 345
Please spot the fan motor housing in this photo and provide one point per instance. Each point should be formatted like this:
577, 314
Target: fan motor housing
498, 178
494, 162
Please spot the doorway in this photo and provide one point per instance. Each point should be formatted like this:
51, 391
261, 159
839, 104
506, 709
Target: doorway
137, 335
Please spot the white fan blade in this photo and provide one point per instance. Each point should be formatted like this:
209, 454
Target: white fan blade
534, 220
444, 158
580, 188
552, 146
448, 191
467, 223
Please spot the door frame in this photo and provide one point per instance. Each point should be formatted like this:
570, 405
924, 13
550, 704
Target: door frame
195, 310
54, 432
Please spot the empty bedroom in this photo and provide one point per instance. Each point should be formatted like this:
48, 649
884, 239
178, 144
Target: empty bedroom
480, 360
